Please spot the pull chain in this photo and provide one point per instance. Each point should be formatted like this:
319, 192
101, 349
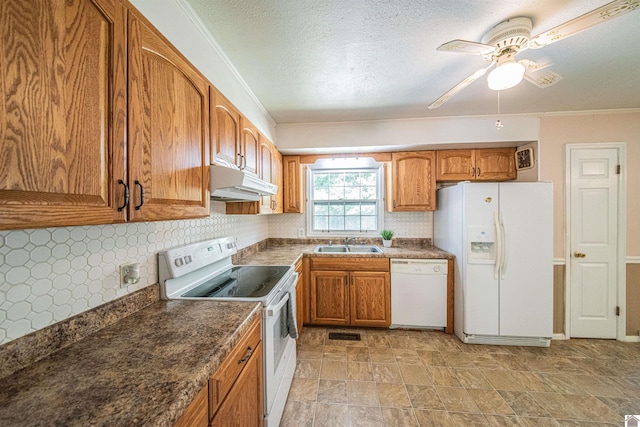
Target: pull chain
499, 124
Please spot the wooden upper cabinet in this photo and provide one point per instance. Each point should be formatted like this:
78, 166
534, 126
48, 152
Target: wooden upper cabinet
456, 165
412, 185
225, 129
63, 113
277, 179
495, 164
168, 134
249, 146
293, 184
489, 164
265, 172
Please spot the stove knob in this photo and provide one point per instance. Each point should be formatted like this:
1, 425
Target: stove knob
179, 262
188, 259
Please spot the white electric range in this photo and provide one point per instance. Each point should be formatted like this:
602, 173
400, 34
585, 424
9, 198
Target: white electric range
204, 271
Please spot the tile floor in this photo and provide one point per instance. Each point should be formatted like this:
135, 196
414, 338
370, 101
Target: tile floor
427, 378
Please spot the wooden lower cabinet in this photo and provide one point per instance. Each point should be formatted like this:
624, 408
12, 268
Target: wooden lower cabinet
370, 298
233, 395
243, 405
341, 295
300, 294
197, 413
235, 389
329, 298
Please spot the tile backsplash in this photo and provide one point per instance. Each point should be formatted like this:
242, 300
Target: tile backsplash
404, 224
48, 275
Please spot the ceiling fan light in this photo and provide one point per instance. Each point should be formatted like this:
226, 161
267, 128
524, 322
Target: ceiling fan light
505, 76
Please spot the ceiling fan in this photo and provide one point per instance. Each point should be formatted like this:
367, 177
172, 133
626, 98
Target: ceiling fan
504, 41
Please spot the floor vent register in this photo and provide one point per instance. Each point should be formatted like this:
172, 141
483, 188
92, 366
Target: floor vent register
344, 336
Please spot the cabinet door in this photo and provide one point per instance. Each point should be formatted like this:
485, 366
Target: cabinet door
413, 181
225, 129
276, 178
370, 299
63, 113
329, 298
300, 295
197, 413
243, 404
293, 185
168, 129
249, 143
265, 172
495, 164
456, 165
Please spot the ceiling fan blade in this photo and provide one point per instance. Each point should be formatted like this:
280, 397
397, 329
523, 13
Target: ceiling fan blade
542, 80
581, 23
464, 46
457, 88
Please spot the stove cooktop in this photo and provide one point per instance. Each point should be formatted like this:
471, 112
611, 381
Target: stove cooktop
240, 282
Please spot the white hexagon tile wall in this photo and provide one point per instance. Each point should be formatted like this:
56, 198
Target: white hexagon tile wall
48, 275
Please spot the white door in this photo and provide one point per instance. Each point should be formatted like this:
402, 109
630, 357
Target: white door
593, 242
526, 277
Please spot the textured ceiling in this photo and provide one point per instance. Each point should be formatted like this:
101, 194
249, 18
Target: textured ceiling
339, 60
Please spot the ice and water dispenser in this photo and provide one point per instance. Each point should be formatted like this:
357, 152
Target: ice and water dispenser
482, 245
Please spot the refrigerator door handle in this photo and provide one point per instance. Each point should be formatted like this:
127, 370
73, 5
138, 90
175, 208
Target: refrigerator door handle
503, 245
496, 266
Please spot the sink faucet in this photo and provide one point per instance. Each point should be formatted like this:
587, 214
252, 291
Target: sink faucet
349, 239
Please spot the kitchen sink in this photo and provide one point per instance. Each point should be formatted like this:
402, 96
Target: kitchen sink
327, 248
347, 249
365, 249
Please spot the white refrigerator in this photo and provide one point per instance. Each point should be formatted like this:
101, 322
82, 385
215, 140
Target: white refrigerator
502, 237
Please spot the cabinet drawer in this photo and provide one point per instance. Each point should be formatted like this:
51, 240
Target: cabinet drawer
350, 263
224, 378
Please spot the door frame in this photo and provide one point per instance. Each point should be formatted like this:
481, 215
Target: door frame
621, 292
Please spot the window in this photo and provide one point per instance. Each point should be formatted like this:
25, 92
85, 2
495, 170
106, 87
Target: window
344, 201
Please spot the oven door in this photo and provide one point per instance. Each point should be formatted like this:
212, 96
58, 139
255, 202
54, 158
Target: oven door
279, 351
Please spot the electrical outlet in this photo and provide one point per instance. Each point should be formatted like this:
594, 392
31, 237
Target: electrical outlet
404, 233
300, 232
129, 274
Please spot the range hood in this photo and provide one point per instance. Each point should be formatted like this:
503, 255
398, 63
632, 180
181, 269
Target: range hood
233, 185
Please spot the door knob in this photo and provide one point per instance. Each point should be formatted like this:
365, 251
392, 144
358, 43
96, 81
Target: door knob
579, 254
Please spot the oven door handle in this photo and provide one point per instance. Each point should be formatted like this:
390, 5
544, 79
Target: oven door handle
271, 311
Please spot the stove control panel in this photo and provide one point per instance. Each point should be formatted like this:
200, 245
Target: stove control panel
177, 262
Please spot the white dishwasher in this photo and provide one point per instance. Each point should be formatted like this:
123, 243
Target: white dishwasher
419, 293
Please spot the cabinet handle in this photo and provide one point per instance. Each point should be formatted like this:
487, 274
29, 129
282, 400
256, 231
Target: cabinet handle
126, 195
246, 356
478, 171
394, 204
240, 160
244, 162
473, 171
136, 182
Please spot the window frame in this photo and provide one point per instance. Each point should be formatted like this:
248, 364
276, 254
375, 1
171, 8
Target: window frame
380, 200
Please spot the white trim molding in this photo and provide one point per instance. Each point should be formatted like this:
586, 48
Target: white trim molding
632, 338
559, 337
559, 261
633, 259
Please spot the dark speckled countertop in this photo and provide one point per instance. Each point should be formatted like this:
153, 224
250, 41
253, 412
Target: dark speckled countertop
141, 371
288, 251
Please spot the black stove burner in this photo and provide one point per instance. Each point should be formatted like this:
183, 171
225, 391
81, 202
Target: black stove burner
241, 282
